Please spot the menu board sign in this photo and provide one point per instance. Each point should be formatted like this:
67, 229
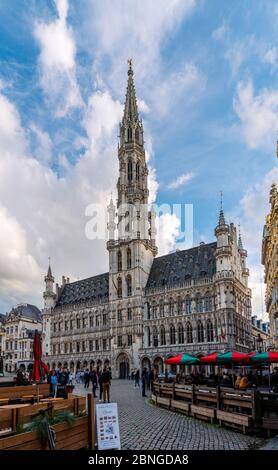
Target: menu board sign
108, 433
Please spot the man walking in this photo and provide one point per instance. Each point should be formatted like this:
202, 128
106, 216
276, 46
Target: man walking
87, 378
137, 378
106, 378
144, 380
94, 381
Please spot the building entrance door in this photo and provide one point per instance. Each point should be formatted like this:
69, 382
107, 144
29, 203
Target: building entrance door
123, 366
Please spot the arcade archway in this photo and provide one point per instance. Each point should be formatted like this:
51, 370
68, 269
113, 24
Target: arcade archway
123, 366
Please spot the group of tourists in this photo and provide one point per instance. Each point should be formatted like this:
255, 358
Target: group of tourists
147, 378
100, 379
229, 379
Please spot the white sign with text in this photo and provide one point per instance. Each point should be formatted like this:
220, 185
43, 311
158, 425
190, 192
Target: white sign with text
108, 432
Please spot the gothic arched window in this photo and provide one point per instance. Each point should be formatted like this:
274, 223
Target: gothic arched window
155, 337
120, 288
172, 335
129, 134
148, 311
128, 258
179, 306
189, 336
200, 332
187, 305
119, 256
161, 308
171, 307
149, 336
129, 286
137, 134
137, 171
129, 170
180, 334
162, 336
209, 331
199, 304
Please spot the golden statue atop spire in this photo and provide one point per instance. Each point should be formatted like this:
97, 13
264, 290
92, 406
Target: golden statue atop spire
129, 61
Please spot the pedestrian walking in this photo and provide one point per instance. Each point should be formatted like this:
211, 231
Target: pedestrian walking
87, 378
94, 380
100, 385
144, 378
106, 380
137, 378
54, 383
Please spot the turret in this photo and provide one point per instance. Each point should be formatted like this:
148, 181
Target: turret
49, 295
223, 251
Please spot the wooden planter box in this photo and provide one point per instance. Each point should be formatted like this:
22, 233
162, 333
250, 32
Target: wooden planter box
234, 419
163, 401
202, 412
182, 406
68, 437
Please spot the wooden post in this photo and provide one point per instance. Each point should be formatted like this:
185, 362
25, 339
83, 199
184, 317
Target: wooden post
218, 397
14, 418
91, 422
193, 394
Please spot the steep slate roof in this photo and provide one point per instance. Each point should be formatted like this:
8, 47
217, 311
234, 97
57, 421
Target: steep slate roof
94, 288
183, 265
26, 311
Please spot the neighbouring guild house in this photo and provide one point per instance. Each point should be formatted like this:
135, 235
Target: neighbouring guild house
148, 307
270, 262
17, 330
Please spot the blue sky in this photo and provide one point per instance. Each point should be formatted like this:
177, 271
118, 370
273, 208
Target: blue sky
206, 80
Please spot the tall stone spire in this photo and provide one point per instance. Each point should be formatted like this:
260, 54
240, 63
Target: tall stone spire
240, 244
221, 220
131, 110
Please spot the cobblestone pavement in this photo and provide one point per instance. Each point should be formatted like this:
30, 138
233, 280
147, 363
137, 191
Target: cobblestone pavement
145, 426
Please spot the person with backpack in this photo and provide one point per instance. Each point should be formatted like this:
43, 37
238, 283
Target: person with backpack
106, 380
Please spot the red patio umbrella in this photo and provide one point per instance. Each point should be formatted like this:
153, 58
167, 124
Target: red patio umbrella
225, 358
40, 368
182, 359
210, 359
266, 357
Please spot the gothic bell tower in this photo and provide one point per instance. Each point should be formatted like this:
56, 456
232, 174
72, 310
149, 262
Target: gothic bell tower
131, 230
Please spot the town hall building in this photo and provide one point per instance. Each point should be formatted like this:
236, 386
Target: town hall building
148, 307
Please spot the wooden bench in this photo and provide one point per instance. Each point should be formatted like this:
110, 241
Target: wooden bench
162, 401
182, 406
234, 419
19, 391
202, 412
270, 423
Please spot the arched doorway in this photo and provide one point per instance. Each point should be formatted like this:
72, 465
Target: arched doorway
158, 364
78, 365
53, 365
123, 366
65, 365
146, 363
92, 364
107, 363
72, 366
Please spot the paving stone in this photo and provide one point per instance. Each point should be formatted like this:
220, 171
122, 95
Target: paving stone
145, 426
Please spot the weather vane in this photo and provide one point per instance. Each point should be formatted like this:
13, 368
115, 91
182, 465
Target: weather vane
129, 61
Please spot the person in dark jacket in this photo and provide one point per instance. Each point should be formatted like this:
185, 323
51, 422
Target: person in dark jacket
106, 379
274, 380
144, 378
87, 378
137, 378
94, 380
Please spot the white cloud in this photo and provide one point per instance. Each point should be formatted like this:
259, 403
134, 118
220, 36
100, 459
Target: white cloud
220, 32
188, 81
271, 56
43, 144
180, 180
147, 25
167, 226
57, 62
258, 115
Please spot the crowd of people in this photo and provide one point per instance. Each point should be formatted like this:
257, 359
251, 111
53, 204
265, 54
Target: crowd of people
146, 377
227, 378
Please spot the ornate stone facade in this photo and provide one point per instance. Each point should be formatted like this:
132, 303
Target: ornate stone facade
146, 307
270, 262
